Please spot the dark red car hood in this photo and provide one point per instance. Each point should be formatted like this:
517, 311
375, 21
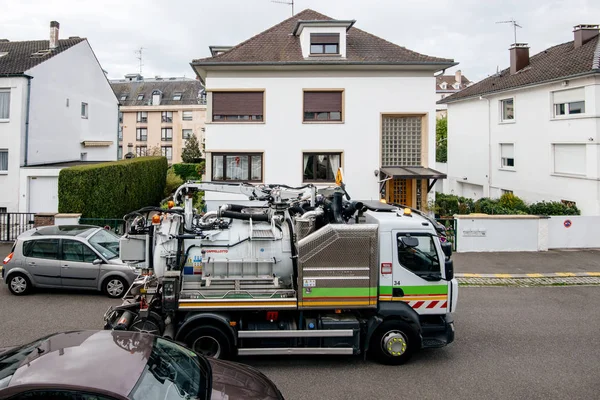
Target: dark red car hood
236, 381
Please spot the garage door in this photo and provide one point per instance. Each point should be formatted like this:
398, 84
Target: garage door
43, 194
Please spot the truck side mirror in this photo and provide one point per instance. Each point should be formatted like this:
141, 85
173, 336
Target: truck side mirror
449, 270
447, 249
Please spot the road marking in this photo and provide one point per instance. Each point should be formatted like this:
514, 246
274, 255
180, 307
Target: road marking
565, 274
471, 275
503, 275
593, 273
535, 275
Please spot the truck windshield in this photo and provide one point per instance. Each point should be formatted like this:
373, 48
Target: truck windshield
173, 372
421, 259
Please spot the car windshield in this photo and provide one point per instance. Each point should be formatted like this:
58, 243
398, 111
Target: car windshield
106, 243
14, 358
173, 372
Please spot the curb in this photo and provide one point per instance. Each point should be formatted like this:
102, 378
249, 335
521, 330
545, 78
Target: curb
532, 275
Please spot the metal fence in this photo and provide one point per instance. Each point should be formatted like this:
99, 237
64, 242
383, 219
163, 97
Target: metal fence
13, 224
115, 225
450, 224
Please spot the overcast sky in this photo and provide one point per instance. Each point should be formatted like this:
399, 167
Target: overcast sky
176, 31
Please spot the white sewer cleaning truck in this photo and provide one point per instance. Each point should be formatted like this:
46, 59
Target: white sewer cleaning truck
305, 271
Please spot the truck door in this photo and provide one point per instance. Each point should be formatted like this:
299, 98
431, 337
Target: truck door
417, 272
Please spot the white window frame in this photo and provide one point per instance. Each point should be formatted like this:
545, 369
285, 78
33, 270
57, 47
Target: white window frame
4, 171
501, 104
183, 133
570, 99
84, 110
183, 116
568, 109
507, 167
6, 90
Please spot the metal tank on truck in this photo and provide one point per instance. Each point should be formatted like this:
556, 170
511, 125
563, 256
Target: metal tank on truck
306, 271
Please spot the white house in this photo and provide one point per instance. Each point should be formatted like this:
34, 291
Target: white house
446, 85
310, 94
56, 109
532, 129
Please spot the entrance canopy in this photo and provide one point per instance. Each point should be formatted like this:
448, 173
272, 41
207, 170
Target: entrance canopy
412, 173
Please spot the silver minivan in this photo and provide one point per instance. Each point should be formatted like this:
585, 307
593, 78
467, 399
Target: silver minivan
67, 256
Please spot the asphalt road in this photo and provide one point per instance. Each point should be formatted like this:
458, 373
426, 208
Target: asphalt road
511, 343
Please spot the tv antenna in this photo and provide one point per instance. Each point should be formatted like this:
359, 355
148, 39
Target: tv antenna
289, 3
139, 53
514, 24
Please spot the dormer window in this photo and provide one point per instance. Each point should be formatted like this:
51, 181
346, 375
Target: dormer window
444, 85
156, 97
123, 97
177, 96
140, 97
324, 43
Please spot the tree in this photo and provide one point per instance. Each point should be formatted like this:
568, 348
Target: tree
192, 153
154, 151
441, 140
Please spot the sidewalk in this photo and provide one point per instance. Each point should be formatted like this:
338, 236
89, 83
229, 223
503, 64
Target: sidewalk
553, 263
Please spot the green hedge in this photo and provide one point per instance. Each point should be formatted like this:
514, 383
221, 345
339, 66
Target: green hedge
507, 204
112, 189
189, 171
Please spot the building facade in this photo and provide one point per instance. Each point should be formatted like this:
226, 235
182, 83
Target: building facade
157, 116
56, 109
447, 85
533, 129
326, 95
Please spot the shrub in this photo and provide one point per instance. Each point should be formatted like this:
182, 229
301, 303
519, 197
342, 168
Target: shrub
112, 189
512, 202
173, 182
189, 171
449, 204
553, 208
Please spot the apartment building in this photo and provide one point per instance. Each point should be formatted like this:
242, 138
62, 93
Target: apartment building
158, 115
532, 129
325, 95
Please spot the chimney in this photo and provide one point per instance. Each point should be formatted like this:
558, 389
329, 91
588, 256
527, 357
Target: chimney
519, 57
584, 33
54, 34
458, 76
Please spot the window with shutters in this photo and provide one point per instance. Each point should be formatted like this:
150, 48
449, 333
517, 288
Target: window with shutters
323, 106
507, 156
238, 106
324, 43
568, 102
240, 167
570, 159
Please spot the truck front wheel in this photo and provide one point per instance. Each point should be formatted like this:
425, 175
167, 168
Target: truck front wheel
393, 343
209, 341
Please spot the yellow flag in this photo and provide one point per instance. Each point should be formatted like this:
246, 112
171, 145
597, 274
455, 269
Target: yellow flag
339, 177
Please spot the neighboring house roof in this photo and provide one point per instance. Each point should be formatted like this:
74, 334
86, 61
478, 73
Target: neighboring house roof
189, 88
554, 63
450, 81
19, 58
278, 45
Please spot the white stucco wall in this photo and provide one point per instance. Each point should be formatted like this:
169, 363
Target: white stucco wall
533, 133
24, 186
284, 137
579, 232
500, 233
11, 131
305, 38
57, 130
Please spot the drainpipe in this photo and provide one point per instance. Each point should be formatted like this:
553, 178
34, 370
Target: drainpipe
29, 78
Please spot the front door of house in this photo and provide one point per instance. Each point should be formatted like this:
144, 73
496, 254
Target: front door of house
400, 191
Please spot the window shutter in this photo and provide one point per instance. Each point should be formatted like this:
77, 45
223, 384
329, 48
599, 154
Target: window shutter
569, 96
238, 103
322, 101
324, 38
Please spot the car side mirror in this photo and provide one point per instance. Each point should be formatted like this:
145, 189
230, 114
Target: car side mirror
447, 249
97, 261
449, 270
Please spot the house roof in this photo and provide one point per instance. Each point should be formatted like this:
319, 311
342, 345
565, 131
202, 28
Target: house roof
278, 45
554, 63
189, 88
19, 58
450, 80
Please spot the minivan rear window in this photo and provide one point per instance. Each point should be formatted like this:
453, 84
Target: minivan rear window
41, 248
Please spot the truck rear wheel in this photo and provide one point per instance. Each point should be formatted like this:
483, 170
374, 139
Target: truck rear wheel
393, 343
209, 341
